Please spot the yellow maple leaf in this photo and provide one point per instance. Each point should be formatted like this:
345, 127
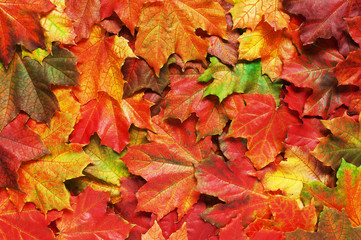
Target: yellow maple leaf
273, 47
249, 13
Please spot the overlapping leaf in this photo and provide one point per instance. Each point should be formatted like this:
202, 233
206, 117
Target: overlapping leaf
243, 78
100, 61
289, 176
344, 142
264, 126
345, 195
167, 27
57, 25
89, 212
314, 69
20, 25
230, 183
167, 163
333, 225
323, 19
273, 47
128, 11
84, 14
111, 120
249, 13
42, 180
29, 224
287, 217
17, 144
25, 85
106, 164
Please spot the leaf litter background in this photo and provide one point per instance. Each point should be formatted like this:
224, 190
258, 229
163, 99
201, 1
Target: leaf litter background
180, 119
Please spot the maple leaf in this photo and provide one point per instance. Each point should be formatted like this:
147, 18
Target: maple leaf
345, 195
142, 221
106, 164
138, 75
169, 27
287, 216
273, 47
249, 13
354, 28
186, 97
100, 61
57, 25
244, 78
323, 19
42, 180
167, 165
128, 11
90, 214
84, 14
231, 184
264, 126
79, 184
289, 176
197, 228
155, 233
296, 98
29, 224
344, 142
226, 51
307, 134
111, 120
25, 85
17, 144
20, 25
333, 225
349, 71
314, 69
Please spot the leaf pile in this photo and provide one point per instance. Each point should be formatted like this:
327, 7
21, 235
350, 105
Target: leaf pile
182, 119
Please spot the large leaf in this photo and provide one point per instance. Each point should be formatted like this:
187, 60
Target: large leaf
344, 142
228, 182
167, 163
19, 21
167, 27
345, 195
264, 126
90, 214
323, 19
17, 144
100, 61
249, 13
332, 226
25, 85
